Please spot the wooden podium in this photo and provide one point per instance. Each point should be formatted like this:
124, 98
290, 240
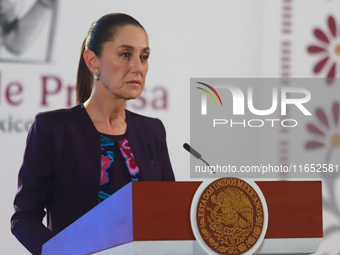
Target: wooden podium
154, 218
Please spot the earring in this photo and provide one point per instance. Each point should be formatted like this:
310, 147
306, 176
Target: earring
96, 75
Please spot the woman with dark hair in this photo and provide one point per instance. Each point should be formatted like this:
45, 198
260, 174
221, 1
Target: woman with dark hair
75, 158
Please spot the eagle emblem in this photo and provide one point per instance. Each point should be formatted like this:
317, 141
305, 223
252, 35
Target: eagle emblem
230, 216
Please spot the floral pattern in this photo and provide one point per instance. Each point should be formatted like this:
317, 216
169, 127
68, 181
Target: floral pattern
129, 158
108, 158
321, 137
328, 49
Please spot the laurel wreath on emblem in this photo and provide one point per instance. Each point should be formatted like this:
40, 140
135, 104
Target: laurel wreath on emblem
231, 223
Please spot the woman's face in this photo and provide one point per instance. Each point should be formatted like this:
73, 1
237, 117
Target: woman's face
124, 62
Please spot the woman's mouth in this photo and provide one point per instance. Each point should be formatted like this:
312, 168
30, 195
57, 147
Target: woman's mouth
134, 82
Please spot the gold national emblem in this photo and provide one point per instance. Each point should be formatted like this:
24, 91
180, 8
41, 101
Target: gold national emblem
230, 216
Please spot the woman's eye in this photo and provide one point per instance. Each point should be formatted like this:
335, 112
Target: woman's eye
126, 55
144, 58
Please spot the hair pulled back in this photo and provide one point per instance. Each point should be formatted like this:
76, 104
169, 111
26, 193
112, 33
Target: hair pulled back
101, 31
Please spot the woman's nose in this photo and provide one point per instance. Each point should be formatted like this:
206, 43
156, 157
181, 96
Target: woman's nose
136, 65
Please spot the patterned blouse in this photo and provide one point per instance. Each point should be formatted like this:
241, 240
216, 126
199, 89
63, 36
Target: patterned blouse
118, 165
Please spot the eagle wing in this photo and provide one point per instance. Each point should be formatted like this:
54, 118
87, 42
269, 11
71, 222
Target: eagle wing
246, 212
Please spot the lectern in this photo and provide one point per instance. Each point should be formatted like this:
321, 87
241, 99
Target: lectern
154, 218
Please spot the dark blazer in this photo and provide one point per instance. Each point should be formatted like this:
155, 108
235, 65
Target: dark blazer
61, 170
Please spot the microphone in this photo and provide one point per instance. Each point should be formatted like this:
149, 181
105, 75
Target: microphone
151, 157
194, 153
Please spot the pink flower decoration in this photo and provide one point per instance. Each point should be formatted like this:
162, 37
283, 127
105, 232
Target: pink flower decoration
327, 48
317, 130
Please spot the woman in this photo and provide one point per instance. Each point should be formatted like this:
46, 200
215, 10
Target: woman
77, 157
